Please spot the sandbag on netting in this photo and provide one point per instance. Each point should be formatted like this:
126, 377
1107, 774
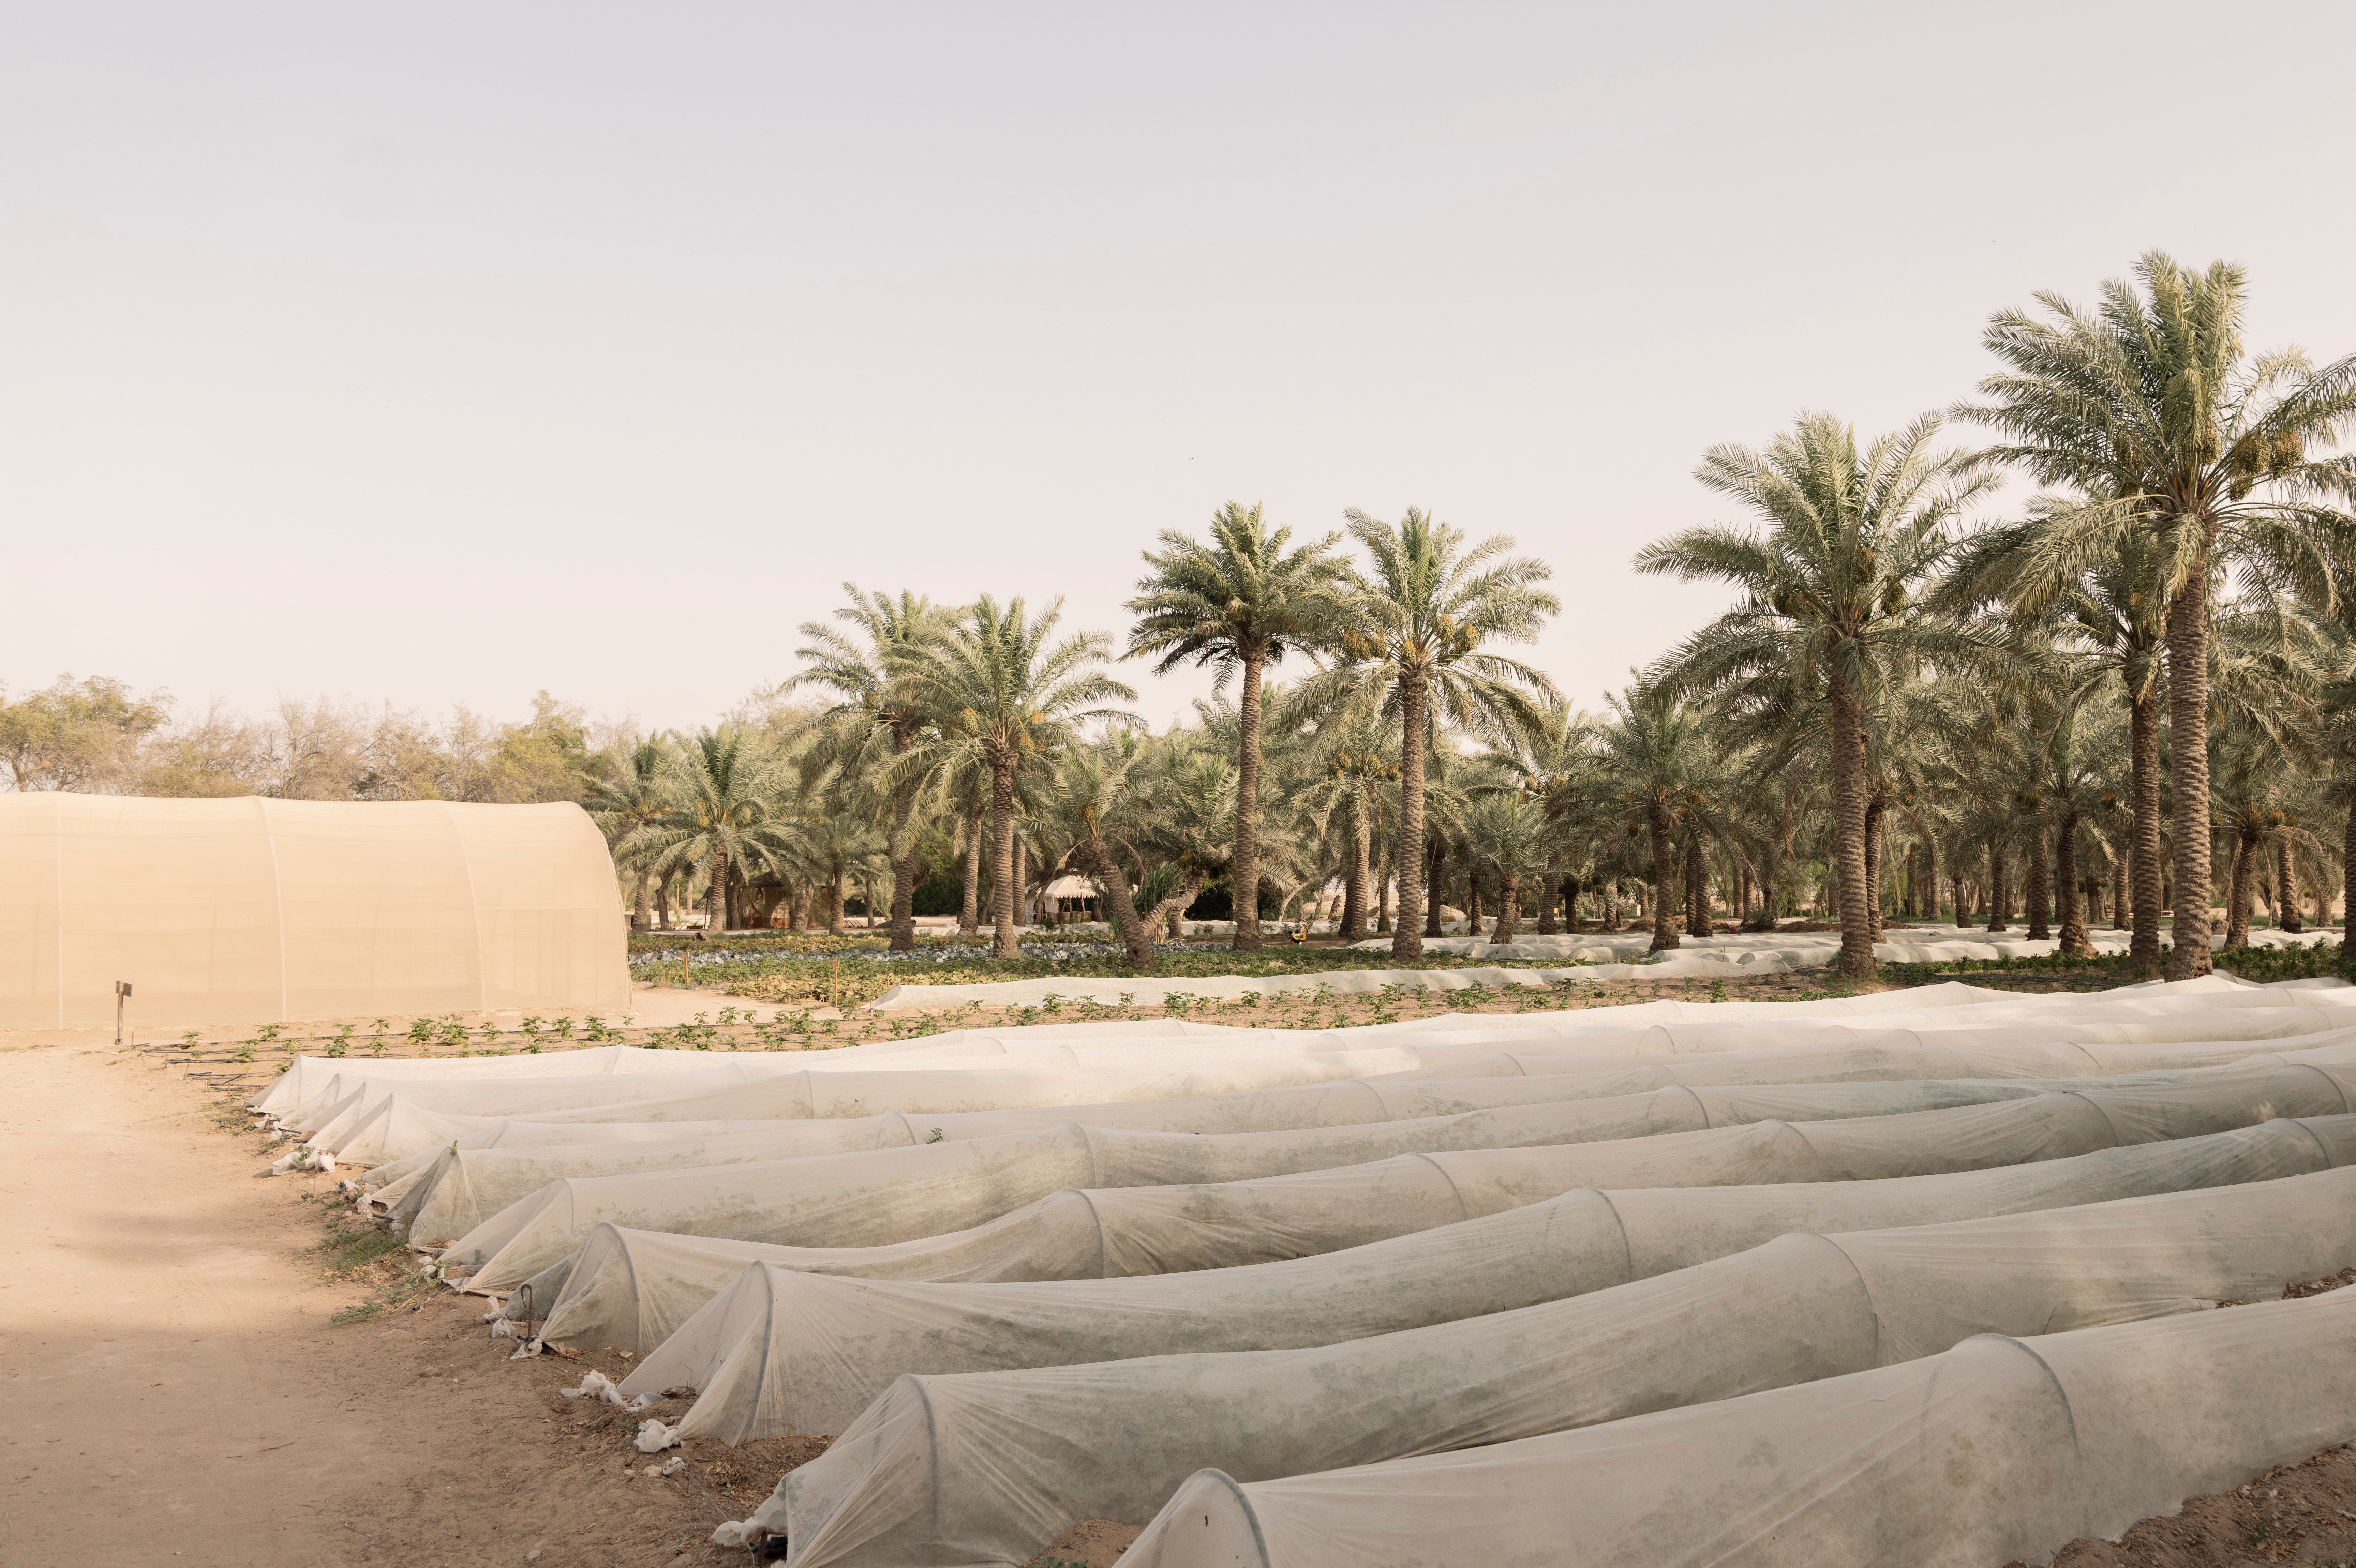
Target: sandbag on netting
635, 1289
899, 1194
780, 1351
465, 1188
1998, 1450
990, 1468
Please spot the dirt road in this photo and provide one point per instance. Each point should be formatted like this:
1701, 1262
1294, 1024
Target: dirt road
178, 1394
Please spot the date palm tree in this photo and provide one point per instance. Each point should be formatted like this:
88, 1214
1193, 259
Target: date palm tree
1507, 833
2151, 412
623, 802
1238, 603
1829, 605
874, 717
719, 817
997, 693
1420, 617
1659, 758
2115, 610
1557, 767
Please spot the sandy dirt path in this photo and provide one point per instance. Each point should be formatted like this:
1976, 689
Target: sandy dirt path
180, 1396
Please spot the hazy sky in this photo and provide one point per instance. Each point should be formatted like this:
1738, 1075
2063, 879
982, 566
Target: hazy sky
441, 354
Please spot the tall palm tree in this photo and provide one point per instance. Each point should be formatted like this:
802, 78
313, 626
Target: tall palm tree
997, 693
2116, 610
1507, 834
1658, 756
2150, 410
1556, 768
1419, 620
1238, 603
719, 817
1828, 599
626, 802
874, 717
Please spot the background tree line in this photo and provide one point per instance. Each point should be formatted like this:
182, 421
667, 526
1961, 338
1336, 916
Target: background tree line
2126, 697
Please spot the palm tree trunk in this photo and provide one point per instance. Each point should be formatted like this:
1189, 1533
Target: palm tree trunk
1243, 874
1999, 887
1851, 788
2286, 888
2237, 893
2348, 881
1382, 900
2143, 841
1509, 907
2122, 904
1963, 899
2074, 940
1433, 924
834, 903
970, 914
1473, 910
1876, 813
1546, 892
2187, 741
1697, 883
2040, 891
903, 848
1002, 857
1353, 913
715, 896
1352, 926
1609, 888
1930, 874
1664, 871
662, 900
638, 901
1408, 942
1136, 939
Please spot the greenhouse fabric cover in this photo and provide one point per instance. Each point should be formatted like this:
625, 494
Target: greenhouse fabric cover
1165, 1230
252, 910
1999, 1450
518, 1166
465, 1188
990, 1468
388, 1127
905, 1194
781, 1351
636, 1289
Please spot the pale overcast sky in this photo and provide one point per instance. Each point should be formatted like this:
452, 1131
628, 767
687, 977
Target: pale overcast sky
439, 353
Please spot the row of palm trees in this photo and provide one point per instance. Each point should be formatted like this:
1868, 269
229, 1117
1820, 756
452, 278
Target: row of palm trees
2077, 706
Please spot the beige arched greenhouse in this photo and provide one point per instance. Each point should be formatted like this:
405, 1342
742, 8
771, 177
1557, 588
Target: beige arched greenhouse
249, 910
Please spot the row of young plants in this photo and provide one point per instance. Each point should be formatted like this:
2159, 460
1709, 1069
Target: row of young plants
2262, 965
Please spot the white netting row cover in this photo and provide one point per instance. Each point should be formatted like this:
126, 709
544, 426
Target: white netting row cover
990, 1467
905, 1194
636, 1289
2001, 1449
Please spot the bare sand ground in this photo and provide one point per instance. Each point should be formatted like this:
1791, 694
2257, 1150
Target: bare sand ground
181, 1396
